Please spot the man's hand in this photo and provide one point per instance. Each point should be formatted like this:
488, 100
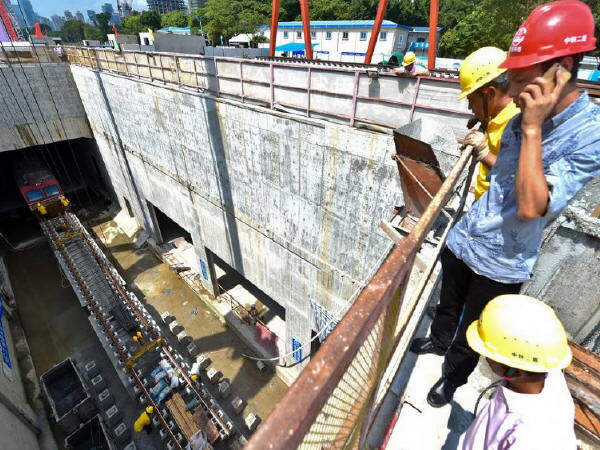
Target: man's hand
538, 99
478, 141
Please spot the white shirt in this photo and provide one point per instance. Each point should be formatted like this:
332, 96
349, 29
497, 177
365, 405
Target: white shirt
514, 421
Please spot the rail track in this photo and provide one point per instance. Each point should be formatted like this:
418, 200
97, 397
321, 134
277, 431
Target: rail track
117, 312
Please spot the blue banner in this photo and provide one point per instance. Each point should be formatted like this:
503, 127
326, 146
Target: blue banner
297, 349
3, 345
204, 271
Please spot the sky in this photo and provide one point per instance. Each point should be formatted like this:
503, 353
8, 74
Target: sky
46, 8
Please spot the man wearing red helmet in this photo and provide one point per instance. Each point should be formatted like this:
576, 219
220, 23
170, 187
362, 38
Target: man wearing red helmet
548, 152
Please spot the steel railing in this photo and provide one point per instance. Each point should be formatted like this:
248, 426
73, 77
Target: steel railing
331, 403
348, 93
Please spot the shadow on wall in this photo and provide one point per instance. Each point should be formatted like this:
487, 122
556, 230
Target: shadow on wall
222, 173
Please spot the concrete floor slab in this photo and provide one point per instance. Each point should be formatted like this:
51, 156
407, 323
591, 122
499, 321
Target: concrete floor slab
161, 289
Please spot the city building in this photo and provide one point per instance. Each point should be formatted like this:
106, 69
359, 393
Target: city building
124, 8
115, 19
195, 5
31, 16
348, 40
47, 21
68, 15
91, 16
58, 22
19, 15
108, 8
163, 6
79, 16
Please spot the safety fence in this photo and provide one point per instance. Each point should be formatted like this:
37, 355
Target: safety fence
351, 94
334, 400
24, 53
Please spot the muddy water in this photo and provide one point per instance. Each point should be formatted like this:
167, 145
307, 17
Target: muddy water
165, 291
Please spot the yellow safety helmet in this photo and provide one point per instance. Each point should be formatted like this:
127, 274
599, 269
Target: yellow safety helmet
479, 68
521, 332
150, 409
409, 59
194, 377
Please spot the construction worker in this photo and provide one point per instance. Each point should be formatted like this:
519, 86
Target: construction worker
410, 67
532, 408
143, 422
485, 86
548, 152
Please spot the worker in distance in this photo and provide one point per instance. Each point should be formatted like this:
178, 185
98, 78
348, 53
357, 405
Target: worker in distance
410, 67
548, 152
531, 409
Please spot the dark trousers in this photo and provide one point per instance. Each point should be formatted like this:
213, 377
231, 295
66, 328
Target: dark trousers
462, 289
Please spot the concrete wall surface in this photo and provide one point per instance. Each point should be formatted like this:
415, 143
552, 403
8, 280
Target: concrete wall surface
569, 264
17, 419
40, 104
293, 204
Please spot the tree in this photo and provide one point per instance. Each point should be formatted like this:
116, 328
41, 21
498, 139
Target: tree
150, 19
253, 13
102, 20
330, 10
491, 22
133, 25
72, 31
174, 19
197, 21
92, 33
221, 19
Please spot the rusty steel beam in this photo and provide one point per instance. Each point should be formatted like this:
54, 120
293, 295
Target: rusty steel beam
306, 28
274, 22
434, 8
294, 414
381, 9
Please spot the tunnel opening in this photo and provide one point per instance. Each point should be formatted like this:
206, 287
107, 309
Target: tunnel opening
168, 229
79, 173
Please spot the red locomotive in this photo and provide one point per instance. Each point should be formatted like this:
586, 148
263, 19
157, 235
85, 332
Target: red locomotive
40, 189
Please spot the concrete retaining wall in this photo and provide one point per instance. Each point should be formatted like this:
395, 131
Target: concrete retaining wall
30, 99
293, 204
18, 421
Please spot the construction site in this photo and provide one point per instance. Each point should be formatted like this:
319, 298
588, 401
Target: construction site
219, 252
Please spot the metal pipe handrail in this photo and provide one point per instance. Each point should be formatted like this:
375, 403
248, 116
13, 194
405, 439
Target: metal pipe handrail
293, 416
179, 73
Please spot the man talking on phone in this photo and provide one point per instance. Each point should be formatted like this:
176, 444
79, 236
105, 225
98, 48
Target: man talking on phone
548, 152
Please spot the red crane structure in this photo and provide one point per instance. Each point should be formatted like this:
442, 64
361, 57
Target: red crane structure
10, 23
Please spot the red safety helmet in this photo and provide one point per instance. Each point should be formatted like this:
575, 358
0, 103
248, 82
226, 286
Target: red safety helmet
552, 30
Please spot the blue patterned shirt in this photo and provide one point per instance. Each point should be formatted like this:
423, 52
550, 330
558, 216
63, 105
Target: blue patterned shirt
490, 238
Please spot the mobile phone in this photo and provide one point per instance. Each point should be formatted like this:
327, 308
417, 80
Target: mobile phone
550, 74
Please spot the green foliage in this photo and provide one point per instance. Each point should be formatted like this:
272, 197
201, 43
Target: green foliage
102, 20
230, 17
92, 33
150, 19
72, 31
133, 25
174, 19
221, 19
491, 22
329, 10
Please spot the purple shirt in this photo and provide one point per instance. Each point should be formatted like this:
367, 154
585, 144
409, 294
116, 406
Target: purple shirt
525, 421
